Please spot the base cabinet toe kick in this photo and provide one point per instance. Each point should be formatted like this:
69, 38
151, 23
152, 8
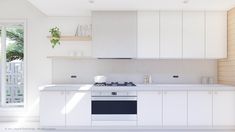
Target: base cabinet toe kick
158, 109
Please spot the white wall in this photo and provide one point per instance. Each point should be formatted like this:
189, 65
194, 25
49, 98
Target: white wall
39, 47
38, 67
162, 71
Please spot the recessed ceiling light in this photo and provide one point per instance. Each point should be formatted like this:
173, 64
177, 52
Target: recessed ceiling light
185, 1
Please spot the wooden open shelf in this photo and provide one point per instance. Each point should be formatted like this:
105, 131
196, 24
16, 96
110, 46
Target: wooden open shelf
74, 38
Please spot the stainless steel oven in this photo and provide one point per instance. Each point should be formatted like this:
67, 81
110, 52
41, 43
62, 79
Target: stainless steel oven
114, 108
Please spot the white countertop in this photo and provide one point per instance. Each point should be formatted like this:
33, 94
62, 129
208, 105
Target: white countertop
139, 87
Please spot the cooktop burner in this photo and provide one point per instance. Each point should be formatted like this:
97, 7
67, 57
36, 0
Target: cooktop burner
115, 84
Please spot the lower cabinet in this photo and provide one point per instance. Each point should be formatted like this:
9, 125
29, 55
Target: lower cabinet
149, 108
52, 104
78, 108
224, 109
200, 108
61, 108
175, 108
186, 108
155, 108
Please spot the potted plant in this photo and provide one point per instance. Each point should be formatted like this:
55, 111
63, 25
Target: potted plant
55, 36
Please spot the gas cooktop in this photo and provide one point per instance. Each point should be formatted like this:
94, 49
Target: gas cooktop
115, 84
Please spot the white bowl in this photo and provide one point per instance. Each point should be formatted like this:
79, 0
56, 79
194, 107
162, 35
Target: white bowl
100, 79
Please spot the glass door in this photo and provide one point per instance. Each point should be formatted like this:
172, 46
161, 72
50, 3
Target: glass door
12, 64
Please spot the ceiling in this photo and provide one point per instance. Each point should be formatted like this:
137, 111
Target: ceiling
83, 7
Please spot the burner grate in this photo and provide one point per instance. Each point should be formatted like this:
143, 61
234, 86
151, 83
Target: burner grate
113, 84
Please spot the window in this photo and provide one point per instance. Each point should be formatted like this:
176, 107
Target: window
12, 64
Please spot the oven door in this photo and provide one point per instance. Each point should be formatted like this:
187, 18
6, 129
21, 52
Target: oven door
114, 108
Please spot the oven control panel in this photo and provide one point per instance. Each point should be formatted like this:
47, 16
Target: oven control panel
114, 93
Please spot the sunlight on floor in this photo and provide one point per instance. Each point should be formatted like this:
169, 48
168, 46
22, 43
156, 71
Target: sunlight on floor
21, 121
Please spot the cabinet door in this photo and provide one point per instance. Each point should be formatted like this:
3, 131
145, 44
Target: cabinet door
52, 104
224, 108
200, 108
78, 108
148, 34
171, 34
150, 108
175, 108
216, 35
193, 34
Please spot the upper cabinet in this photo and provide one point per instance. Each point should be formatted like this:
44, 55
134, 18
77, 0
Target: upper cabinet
216, 35
171, 34
160, 34
148, 34
193, 34
114, 34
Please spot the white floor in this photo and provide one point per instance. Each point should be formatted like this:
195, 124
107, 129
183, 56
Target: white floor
34, 127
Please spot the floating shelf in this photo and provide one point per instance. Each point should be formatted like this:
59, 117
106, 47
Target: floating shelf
69, 57
74, 38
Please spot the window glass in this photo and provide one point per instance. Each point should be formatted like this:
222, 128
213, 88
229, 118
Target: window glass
12, 64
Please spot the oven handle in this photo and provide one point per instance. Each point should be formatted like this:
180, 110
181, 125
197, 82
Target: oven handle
113, 98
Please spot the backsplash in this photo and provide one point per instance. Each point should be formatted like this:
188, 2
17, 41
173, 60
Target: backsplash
162, 71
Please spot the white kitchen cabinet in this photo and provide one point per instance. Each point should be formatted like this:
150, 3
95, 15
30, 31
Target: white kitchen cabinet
52, 106
174, 108
78, 108
216, 34
193, 34
224, 108
148, 34
171, 34
200, 108
149, 108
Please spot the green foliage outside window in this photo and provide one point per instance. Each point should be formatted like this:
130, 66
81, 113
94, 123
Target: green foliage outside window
15, 49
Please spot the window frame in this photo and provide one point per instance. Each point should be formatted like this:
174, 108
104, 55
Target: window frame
15, 108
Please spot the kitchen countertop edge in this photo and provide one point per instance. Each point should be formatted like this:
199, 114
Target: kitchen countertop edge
139, 87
